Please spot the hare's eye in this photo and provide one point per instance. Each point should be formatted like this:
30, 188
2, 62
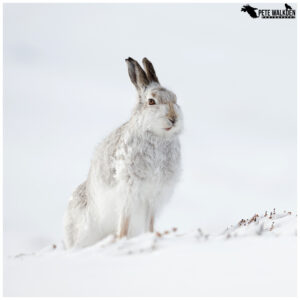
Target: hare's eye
151, 102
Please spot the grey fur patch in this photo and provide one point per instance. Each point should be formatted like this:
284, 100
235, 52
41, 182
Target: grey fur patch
108, 151
163, 95
80, 196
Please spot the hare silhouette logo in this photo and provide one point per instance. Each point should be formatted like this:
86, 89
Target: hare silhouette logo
253, 12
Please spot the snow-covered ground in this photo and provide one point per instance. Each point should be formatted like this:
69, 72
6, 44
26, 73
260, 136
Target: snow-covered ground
255, 257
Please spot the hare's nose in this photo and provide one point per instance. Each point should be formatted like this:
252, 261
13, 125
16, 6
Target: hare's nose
172, 121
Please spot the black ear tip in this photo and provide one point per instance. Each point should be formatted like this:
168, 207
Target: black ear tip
145, 60
128, 60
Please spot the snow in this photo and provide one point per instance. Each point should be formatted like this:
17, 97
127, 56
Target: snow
255, 257
66, 87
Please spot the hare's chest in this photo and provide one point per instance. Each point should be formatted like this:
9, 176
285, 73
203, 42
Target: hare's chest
152, 163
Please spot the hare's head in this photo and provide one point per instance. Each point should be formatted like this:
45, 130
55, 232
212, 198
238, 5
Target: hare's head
157, 110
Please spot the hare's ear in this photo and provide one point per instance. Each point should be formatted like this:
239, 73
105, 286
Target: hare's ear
151, 75
137, 74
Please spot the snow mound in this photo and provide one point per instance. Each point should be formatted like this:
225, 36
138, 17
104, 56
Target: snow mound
268, 224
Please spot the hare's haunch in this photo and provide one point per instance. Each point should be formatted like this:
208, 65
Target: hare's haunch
134, 170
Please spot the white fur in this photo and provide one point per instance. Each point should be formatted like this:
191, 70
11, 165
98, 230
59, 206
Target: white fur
133, 173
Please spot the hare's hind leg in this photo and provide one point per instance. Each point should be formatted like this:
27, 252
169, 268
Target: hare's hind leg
69, 231
77, 228
75, 219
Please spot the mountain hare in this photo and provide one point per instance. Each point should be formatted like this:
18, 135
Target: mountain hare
133, 171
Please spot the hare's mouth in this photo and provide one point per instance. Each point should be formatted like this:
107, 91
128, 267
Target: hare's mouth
167, 129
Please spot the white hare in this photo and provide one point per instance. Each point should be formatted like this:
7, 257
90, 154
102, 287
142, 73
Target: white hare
134, 170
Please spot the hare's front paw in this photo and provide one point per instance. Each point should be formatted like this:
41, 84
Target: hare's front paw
123, 227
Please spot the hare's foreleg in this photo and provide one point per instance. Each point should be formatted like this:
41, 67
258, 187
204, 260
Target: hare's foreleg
151, 224
123, 226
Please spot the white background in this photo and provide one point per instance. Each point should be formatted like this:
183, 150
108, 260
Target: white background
66, 87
